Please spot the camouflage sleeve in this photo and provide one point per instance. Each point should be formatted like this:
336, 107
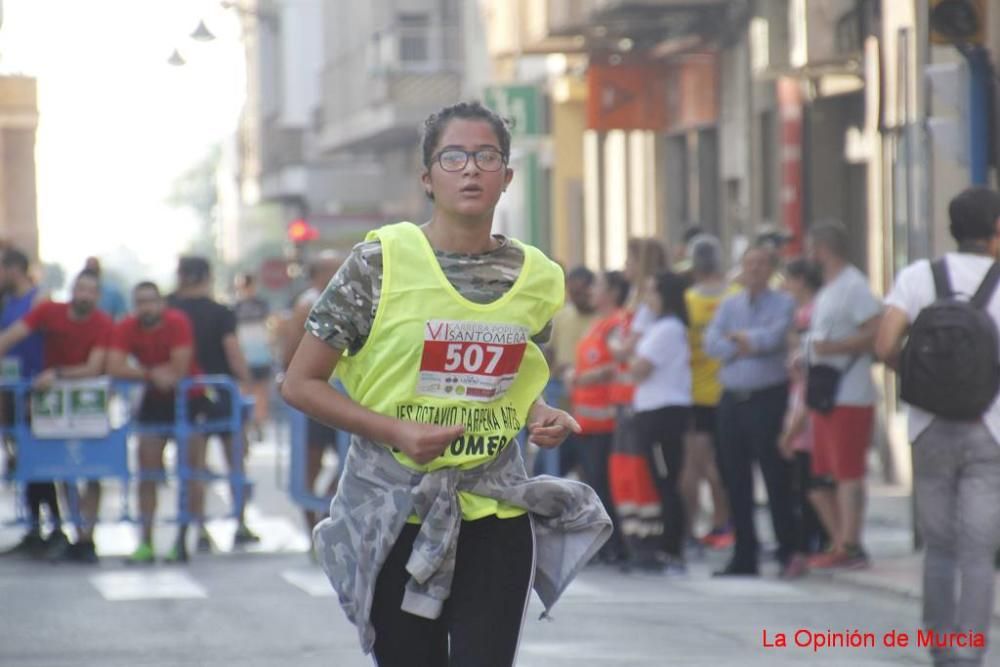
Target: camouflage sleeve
343, 315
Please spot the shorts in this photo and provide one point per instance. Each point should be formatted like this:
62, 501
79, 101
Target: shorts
159, 410
840, 442
319, 434
260, 373
703, 419
7, 409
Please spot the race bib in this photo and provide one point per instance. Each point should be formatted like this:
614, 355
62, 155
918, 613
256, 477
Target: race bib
474, 361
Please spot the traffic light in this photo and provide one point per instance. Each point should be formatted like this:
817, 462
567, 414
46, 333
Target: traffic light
300, 231
958, 21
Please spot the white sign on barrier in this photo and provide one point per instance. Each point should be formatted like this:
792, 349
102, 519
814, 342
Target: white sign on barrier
72, 409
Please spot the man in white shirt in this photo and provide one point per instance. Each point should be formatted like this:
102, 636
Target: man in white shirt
956, 465
841, 334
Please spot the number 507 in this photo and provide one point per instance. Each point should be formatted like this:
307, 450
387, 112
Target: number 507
469, 358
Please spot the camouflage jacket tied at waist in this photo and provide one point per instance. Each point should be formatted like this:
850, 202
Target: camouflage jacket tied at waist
377, 494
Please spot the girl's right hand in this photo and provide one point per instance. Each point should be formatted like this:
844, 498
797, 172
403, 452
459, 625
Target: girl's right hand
424, 442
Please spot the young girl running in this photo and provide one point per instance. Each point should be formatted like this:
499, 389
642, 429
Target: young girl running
437, 535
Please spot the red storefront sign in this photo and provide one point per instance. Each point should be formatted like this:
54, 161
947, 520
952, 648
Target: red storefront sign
627, 96
790, 139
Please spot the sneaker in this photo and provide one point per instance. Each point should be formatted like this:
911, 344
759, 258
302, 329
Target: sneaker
32, 545
56, 546
177, 555
206, 544
83, 552
143, 555
849, 558
737, 570
719, 538
245, 536
796, 567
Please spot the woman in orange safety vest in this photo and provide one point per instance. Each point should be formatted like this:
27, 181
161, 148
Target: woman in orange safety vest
591, 382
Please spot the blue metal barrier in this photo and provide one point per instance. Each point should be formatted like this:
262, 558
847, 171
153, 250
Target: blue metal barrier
298, 489
43, 459
66, 459
232, 425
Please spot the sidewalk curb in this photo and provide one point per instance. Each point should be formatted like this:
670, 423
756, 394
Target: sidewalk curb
875, 579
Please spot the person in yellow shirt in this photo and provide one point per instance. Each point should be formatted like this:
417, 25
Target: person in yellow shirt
703, 298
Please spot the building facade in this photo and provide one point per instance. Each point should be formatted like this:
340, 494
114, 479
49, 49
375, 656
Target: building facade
18, 192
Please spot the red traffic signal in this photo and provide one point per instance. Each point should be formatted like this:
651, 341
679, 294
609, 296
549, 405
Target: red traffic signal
300, 231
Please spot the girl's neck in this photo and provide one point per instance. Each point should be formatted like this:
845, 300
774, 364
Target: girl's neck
462, 236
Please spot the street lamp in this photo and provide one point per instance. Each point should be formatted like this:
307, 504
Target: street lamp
202, 33
176, 59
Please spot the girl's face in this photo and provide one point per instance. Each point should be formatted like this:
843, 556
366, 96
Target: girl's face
473, 190
652, 298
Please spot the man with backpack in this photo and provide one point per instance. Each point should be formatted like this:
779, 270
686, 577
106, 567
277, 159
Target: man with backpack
948, 313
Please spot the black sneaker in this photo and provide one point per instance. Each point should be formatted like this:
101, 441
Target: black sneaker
56, 546
83, 552
178, 555
32, 545
245, 536
205, 544
736, 570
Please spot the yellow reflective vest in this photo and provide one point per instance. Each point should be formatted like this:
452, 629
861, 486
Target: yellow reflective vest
435, 357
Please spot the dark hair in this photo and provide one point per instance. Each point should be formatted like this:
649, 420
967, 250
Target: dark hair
193, 270
618, 285
581, 273
705, 253
146, 284
692, 232
808, 272
245, 280
671, 288
88, 273
436, 123
974, 213
832, 235
15, 259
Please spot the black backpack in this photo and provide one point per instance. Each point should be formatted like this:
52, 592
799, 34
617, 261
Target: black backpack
950, 365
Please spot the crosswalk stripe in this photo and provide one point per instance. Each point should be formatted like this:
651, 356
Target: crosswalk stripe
147, 585
312, 581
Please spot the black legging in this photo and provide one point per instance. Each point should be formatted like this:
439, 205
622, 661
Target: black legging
594, 451
482, 617
661, 436
38, 493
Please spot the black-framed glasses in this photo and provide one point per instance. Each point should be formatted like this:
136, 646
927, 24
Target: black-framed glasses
455, 159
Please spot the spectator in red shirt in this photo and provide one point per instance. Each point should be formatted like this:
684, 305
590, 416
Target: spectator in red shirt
75, 337
161, 342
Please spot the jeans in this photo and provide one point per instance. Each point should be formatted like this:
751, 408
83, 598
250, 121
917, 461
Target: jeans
749, 427
956, 470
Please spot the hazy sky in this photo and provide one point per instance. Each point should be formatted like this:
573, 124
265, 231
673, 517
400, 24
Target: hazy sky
118, 124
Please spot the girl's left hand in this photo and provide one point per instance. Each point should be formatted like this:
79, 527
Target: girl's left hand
548, 427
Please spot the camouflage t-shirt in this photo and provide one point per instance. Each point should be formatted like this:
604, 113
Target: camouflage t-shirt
344, 314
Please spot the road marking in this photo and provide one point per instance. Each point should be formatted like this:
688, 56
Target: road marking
312, 581
152, 585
